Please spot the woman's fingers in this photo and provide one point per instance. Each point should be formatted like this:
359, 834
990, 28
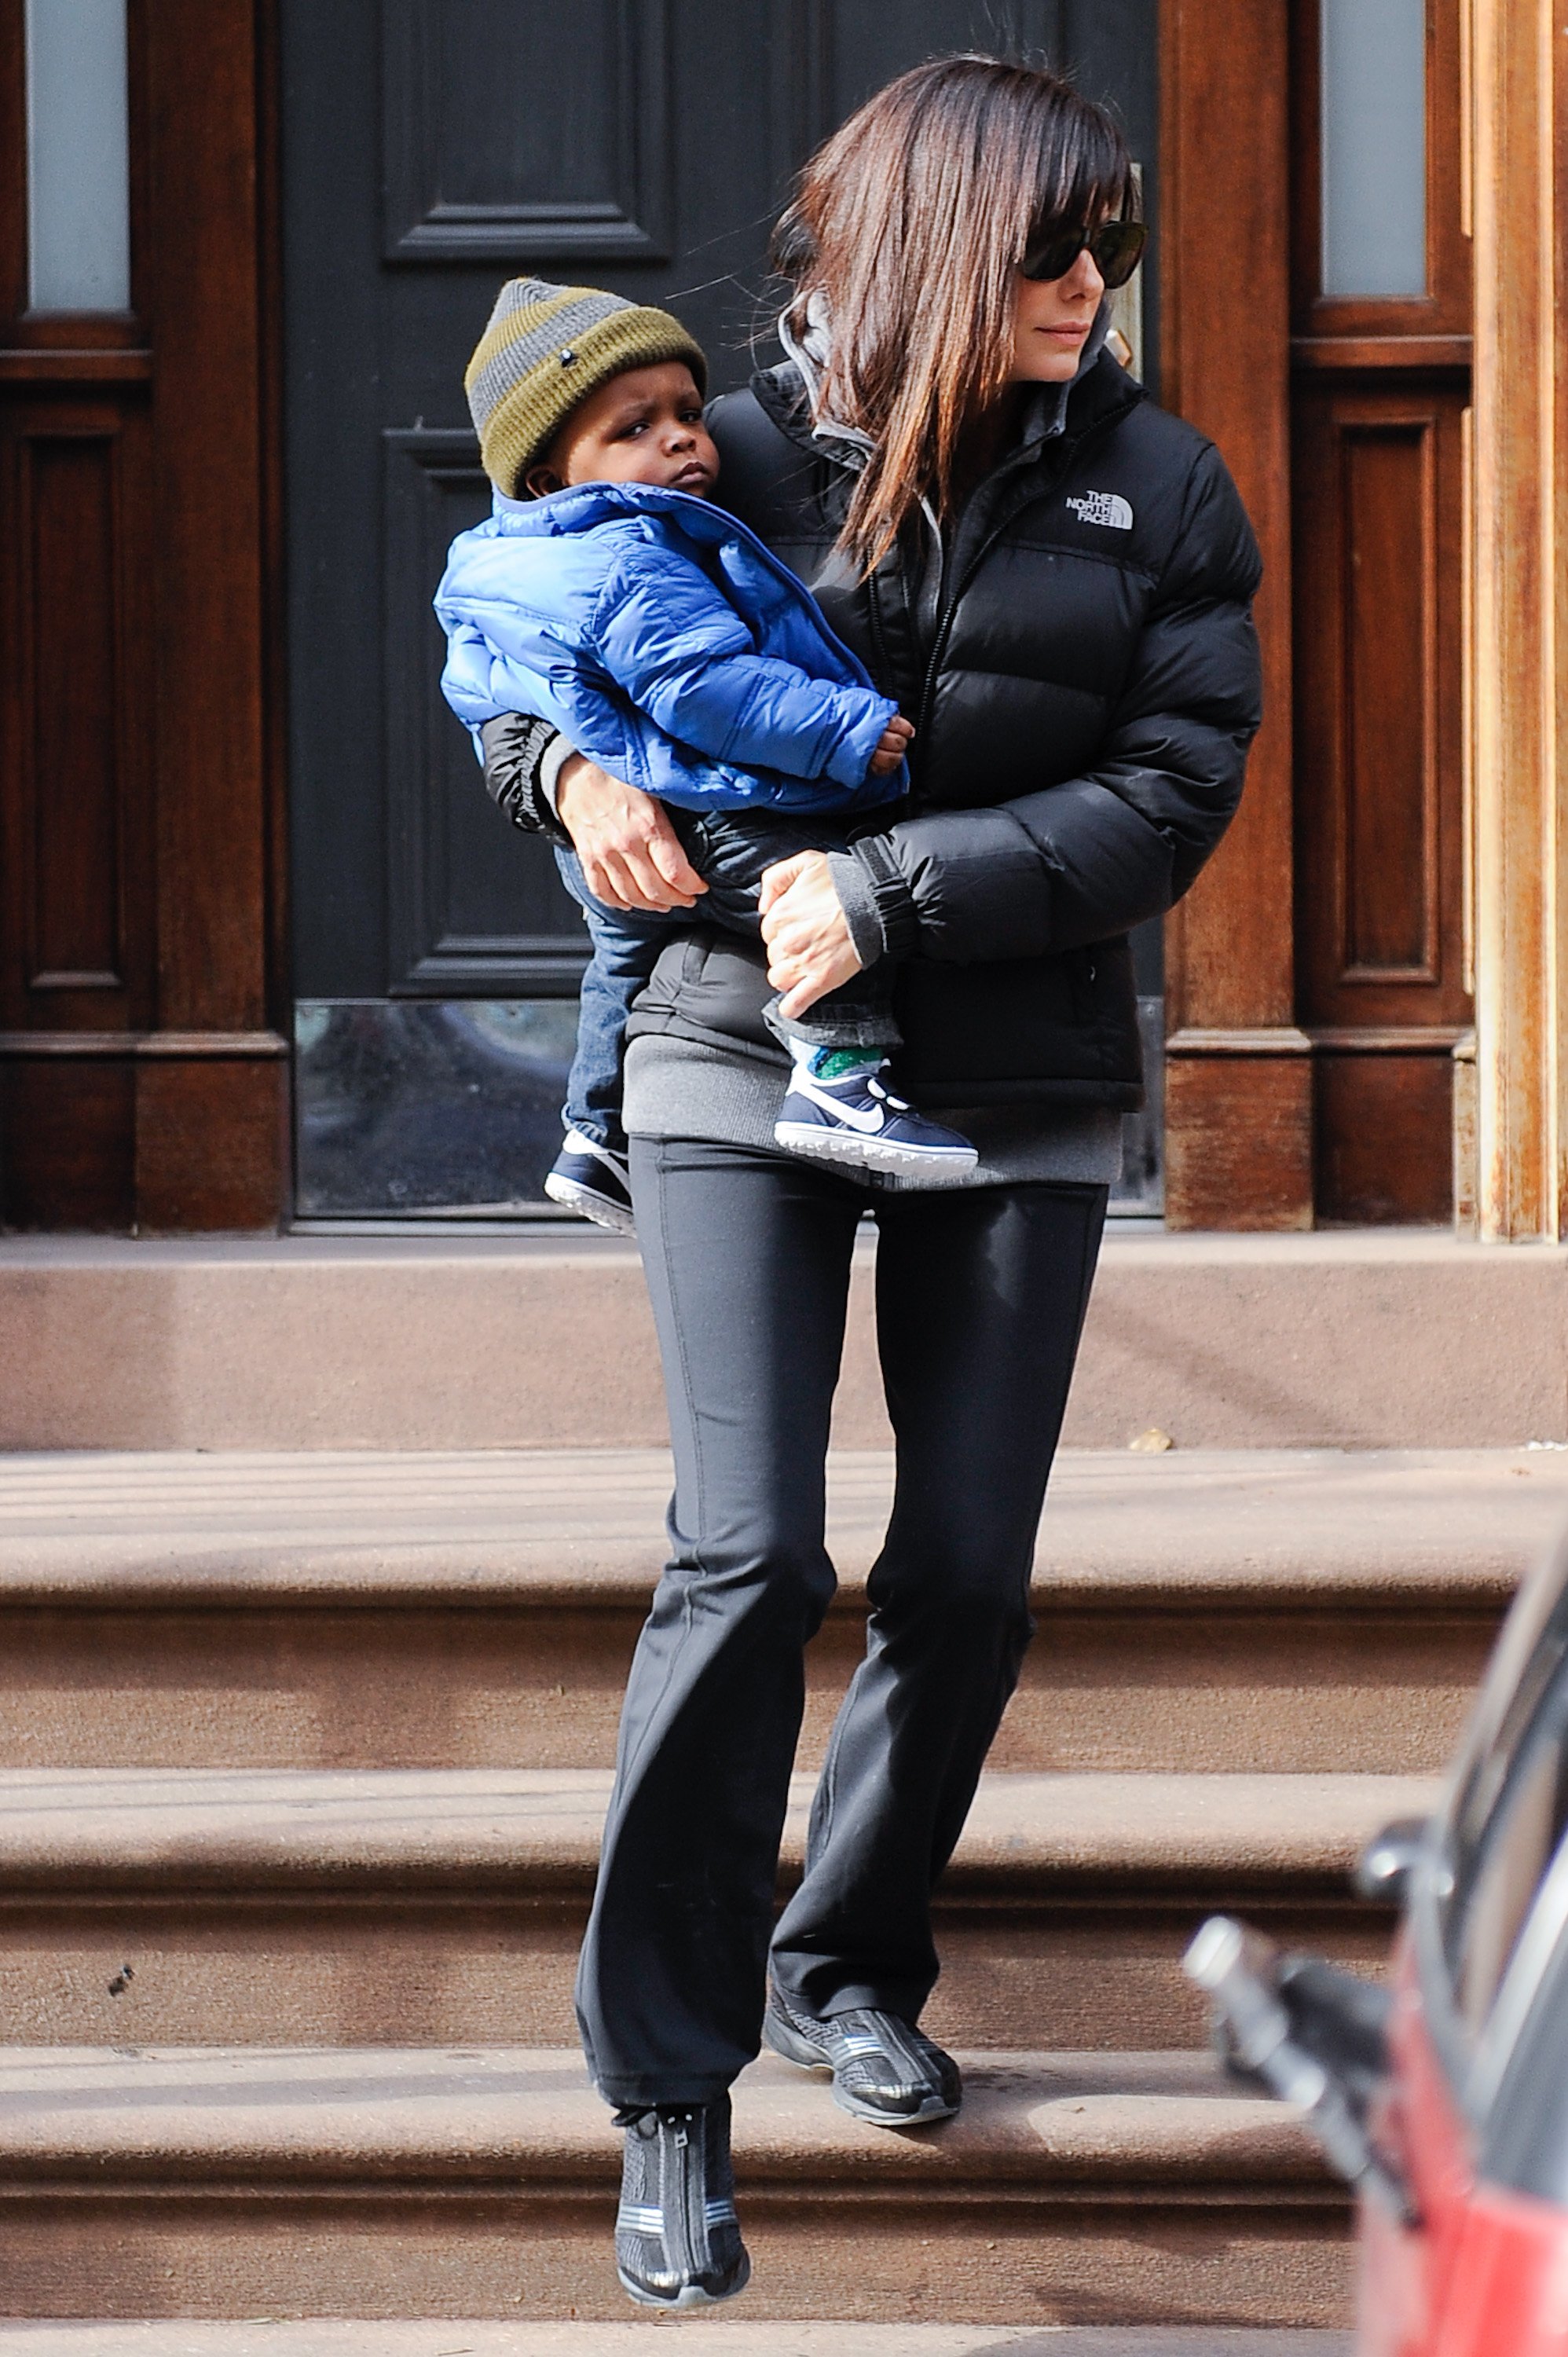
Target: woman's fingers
665, 851
777, 880
638, 884
801, 985
809, 951
607, 881
630, 853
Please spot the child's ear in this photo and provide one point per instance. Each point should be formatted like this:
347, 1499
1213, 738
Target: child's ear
540, 481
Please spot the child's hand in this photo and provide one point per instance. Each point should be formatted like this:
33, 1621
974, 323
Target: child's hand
895, 743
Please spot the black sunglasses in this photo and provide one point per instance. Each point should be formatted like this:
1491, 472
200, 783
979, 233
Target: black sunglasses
1117, 247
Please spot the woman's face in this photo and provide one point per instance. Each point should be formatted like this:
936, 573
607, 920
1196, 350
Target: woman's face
1052, 318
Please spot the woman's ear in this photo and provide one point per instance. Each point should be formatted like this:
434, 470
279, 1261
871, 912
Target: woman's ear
540, 481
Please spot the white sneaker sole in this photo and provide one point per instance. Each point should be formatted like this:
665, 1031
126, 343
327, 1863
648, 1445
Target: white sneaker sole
589, 1206
847, 1146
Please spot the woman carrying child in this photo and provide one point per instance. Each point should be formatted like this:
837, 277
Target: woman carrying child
1051, 580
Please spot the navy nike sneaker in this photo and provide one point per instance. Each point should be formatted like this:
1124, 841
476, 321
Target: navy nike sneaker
592, 1180
854, 1118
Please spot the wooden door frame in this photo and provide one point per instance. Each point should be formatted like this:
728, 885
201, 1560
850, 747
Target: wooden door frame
1239, 1072
163, 1104
1514, 1160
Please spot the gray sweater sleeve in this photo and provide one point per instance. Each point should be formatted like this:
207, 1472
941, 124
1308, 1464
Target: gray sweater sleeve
859, 904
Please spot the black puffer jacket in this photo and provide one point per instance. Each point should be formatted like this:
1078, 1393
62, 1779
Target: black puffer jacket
1084, 677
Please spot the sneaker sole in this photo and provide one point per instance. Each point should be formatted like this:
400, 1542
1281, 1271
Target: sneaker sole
784, 2040
692, 2296
589, 1206
871, 1153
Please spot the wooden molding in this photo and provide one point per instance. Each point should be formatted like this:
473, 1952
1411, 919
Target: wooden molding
1229, 948
1238, 1150
245, 1047
1519, 70
1388, 1038
206, 249
1380, 352
101, 1137
1281, 1040
74, 364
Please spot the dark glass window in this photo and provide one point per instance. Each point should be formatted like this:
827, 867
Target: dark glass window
1509, 1868
1501, 1791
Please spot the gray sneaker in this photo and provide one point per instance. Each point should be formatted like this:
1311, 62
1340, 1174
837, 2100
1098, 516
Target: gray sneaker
677, 2237
885, 2070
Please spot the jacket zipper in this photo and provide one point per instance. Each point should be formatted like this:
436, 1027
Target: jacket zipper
691, 2256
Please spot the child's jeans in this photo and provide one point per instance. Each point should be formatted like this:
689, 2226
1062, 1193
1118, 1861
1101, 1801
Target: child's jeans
729, 849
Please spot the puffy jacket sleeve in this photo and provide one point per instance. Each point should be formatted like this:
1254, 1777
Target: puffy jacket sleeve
683, 655
1096, 855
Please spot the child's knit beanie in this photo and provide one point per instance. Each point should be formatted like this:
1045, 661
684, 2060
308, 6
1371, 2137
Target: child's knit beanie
545, 350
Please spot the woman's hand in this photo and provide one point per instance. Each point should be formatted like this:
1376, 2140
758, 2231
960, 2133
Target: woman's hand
630, 854
809, 951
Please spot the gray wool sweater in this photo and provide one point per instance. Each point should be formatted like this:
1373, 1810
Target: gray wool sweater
677, 1088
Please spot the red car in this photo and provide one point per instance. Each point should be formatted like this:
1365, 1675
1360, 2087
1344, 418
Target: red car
1444, 2100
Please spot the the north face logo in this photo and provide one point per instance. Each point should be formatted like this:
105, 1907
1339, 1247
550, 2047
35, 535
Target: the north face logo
1108, 508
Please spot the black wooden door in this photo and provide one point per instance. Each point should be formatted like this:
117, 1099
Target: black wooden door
432, 148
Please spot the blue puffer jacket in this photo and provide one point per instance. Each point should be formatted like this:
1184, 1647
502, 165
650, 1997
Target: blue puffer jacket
665, 641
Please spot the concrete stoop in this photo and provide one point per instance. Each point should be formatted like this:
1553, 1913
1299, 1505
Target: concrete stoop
302, 1763
1248, 1610
243, 2181
1376, 1339
721, 2338
158, 1908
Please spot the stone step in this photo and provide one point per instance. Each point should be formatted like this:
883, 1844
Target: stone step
1378, 1338
721, 2338
1265, 1611
145, 1907
234, 2182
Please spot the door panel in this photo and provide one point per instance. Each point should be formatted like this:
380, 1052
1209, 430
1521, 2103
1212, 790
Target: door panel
428, 154
1378, 511
490, 159
1380, 387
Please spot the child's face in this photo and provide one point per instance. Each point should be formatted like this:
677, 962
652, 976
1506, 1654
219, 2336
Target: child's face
645, 427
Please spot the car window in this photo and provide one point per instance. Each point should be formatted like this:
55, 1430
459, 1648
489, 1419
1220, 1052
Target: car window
1523, 2097
1528, 1660
1509, 1805
1509, 1868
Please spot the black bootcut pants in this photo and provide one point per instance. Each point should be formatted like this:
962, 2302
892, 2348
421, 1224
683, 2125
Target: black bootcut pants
979, 1300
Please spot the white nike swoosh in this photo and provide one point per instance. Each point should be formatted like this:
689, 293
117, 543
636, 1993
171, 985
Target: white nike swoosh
870, 1123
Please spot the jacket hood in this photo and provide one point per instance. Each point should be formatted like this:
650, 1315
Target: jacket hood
1100, 389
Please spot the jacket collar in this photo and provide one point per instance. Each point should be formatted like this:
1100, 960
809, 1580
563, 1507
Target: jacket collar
1100, 390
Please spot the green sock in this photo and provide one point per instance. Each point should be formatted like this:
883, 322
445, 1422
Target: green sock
831, 1063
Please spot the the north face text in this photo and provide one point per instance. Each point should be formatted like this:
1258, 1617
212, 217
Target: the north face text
1108, 508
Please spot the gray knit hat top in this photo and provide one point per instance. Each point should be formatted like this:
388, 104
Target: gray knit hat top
545, 350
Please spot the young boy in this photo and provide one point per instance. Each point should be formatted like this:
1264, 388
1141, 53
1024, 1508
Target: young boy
665, 641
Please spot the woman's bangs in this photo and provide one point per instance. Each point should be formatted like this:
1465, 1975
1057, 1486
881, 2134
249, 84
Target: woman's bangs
1084, 174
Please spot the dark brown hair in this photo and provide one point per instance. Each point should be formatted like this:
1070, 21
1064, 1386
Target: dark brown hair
912, 220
